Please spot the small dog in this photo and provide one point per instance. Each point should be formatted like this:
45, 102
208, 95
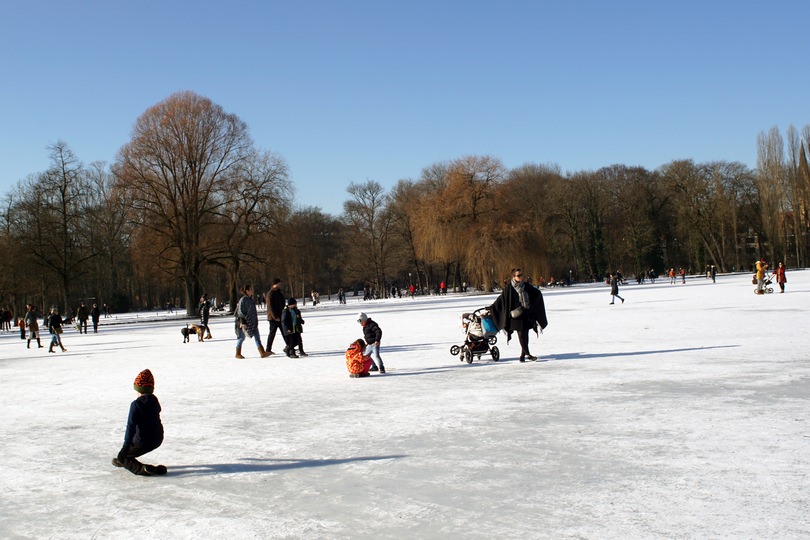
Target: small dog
192, 329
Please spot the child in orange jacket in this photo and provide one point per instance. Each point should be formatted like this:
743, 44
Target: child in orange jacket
357, 363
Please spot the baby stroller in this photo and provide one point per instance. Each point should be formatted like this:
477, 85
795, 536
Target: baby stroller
480, 337
766, 285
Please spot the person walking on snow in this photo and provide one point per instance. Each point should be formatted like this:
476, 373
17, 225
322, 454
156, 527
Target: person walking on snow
204, 310
82, 315
33, 326
373, 335
246, 322
781, 279
275, 306
55, 329
519, 308
292, 328
614, 289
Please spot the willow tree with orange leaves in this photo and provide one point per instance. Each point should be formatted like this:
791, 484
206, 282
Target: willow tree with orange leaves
177, 171
458, 220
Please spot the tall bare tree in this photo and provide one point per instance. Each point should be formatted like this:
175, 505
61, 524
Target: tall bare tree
51, 220
177, 170
369, 221
257, 199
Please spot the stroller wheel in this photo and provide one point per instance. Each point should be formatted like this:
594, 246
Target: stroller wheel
496, 354
769, 290
468, 356
455, 349
493, 340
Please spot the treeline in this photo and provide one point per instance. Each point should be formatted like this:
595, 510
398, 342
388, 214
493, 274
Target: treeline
190, 205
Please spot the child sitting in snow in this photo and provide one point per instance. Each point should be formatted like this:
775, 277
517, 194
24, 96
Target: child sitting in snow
357, 362
144, 429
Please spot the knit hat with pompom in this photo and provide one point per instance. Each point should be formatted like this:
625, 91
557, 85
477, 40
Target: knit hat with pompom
145, 382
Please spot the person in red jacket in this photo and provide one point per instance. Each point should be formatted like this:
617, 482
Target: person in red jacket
357, 362
780, 277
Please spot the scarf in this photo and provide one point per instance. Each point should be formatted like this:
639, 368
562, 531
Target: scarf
522, 294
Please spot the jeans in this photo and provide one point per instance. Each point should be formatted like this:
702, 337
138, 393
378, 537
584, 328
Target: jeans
373, 351
242, 335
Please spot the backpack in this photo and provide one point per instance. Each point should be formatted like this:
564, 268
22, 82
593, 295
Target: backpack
239, 314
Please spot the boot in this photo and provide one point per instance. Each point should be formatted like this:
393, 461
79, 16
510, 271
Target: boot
208, 336
39, 345
382, 367
29, 344
301, 352
50, 349
239, 353
262, 353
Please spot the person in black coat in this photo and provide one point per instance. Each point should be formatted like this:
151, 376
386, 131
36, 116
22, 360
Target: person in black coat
292, 328
275, 306
519, 308
204, 309
95, 314
144, 431
372, 333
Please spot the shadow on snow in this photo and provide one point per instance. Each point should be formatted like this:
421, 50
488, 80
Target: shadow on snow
252, 465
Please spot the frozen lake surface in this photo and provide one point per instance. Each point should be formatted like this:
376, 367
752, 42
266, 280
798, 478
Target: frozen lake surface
682, 413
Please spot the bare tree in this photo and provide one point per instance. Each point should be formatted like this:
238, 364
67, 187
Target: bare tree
51, 220
369, 220
178, 172
110, 234
257, 198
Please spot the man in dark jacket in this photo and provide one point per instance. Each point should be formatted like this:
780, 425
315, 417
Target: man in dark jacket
144, 430
204, 309
82, 315
519, 308
372, 334
95, 314
275, 306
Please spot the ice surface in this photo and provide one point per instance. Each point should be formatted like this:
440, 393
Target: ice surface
682, 413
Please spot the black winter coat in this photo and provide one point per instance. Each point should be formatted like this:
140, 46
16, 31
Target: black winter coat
372, 332
287, 325
530, 318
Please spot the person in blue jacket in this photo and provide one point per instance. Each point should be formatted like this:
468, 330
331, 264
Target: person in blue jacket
144, 431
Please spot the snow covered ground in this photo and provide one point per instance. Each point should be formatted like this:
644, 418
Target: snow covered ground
682, 413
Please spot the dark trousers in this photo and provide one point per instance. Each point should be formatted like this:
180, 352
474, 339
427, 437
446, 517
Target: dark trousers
274, 326
128, 454
292, 341
83, 325
523, 339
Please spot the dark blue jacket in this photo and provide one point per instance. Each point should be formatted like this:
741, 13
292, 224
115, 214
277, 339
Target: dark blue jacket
144, 428
292, 321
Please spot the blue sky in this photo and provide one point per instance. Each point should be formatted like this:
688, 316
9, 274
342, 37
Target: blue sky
378, 90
